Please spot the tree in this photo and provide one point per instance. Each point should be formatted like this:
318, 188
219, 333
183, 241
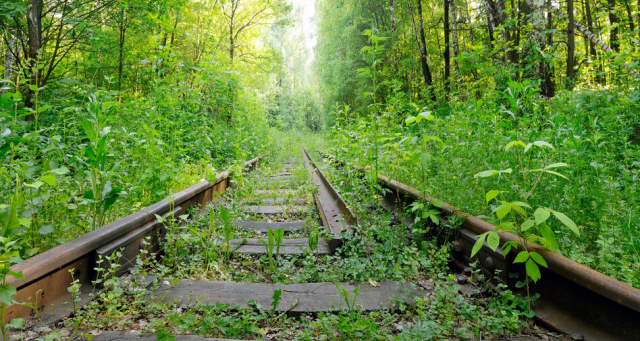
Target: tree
422, 47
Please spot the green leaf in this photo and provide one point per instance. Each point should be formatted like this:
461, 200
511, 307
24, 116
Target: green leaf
224, 214
567, 222
6, 294
26, 222
521, 257
505, 227
35, 185
50, 179
541, 215
46, 229
556, 174
521, 204
543, 144
427, 115
532, 270
60, 171
410, 119
492, 194
478, 245
43, 108
556, 165
502, 210
486, 174
513, 144
16, 323
527, 225
549, 236
493, 240
538, 258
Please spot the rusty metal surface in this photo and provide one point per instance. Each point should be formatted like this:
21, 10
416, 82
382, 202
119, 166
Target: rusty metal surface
574, 298
46, 276
335, 214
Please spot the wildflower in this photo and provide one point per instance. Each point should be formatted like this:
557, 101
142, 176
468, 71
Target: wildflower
454, 176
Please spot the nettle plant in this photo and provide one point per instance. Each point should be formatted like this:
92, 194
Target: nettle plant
517, 216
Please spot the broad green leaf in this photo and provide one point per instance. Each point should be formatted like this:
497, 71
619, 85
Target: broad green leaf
6, 294
541, 215
532, 270
492, 194
427, 115
505, 227
567, 222
50, 179
521, 204
410, 119
26, 222
538, 258
35, 185
521, 257
527, 225
549, 236
224, 214
502, 210
46, 229
543, 144
19, 324
493, 240
513, 144
478, 245
60, 171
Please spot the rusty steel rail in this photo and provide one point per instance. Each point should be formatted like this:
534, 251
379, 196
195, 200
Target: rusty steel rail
46, 276
574, 299
336, 215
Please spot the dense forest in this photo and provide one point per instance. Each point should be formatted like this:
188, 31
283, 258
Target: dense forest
524, 113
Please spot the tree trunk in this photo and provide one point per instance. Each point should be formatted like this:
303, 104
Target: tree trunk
571, 46
447, 56
34, 27
549, 83
9, 57
392, 12
592, 45
613, 21
175, 25
123, 31
455, 39
630, 16
428, 80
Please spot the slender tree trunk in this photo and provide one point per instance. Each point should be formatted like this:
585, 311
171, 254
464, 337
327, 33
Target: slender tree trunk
428, 80
571, 46
550, 86
455, 39
392, 12
9, 57
123, 32
490, 21
34, 27
630, 16
447, 56
592, 45
613, 21
175, 25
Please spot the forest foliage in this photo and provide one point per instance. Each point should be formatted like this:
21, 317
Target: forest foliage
109, 106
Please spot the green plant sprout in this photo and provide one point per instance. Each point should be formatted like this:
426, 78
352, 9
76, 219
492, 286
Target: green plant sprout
274, 240
516, 216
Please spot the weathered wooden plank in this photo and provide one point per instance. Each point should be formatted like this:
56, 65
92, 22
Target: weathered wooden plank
293, 246
310, 297
277, 192
277, 201
272, 209
123, 336
288, 226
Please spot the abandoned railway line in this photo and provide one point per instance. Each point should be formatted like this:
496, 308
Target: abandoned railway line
280, 244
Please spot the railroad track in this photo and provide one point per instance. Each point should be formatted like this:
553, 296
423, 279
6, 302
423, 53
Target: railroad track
285, 202
574, 300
